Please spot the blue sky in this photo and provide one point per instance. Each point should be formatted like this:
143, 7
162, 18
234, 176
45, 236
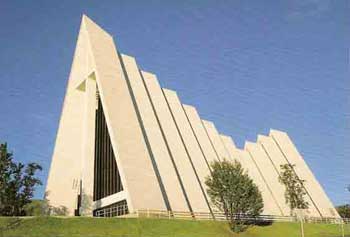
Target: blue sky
246, 65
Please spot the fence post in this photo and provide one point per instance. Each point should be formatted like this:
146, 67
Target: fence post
300, 216
302, 227
147, 212
342, 229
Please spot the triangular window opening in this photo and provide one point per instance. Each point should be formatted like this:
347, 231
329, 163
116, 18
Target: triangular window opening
106, 175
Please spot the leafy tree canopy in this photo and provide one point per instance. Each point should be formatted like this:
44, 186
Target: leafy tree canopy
344, 210
17, 183
233, 192
295, 192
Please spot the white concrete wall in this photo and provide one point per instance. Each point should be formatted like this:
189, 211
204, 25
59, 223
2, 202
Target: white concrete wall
184, 167
278, 159
134, 162
189, 140
215, 140
63, 183
88, 146
157, 143
243, 157
201, 134
96, 53
230, 147
267, 170
313, 187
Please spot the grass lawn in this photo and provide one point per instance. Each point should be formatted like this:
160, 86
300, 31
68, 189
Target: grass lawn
80, 226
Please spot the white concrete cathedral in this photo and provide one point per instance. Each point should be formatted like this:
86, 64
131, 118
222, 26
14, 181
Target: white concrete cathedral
124, 140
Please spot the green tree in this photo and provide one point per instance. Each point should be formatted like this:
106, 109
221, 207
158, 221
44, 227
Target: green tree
43, 208
17, 183
295, 192
59, 211
344, 210
86, 204
233, 192
37, 208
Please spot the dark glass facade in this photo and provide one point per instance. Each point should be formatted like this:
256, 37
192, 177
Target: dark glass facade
106, 175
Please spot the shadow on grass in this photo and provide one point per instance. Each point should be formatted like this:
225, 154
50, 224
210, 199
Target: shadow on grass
259, 222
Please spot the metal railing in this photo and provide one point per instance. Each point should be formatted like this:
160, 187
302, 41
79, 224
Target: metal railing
122, 211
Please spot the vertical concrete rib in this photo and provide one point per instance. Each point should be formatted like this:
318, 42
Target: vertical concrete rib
159, 153
189, 141
278, 159
67, 155
270, 175
215, 140
88, 150
134, 162
203, 140
317, 194
230, 147
244, 158
183, 164
201, 134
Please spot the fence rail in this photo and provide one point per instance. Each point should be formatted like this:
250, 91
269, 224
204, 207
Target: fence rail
122, 211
